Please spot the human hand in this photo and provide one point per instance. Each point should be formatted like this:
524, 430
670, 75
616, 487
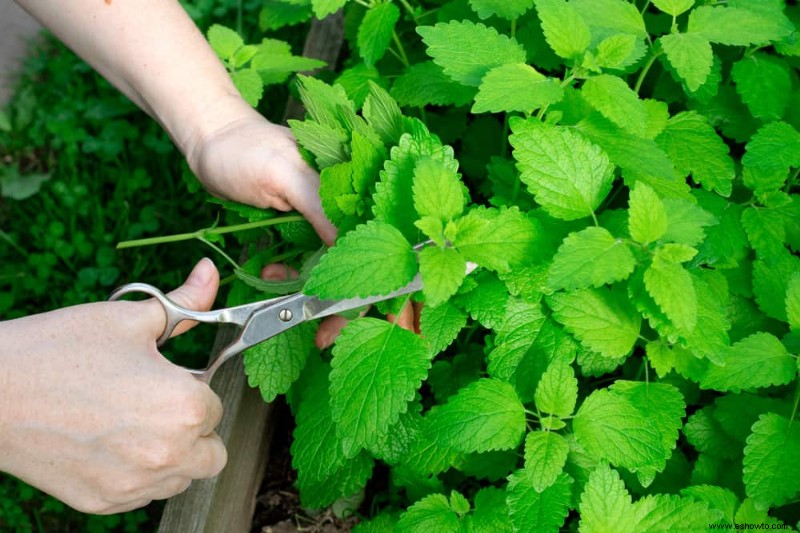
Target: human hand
91, 412
246, 158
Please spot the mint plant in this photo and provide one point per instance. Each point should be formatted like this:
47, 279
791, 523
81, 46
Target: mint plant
625, 177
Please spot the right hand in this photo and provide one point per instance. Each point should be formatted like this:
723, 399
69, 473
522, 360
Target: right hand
91, 412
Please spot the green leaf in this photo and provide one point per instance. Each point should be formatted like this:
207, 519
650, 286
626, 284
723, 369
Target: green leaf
609, 427
515, 336
485, 415
723, 500
274, 61
771, 274
327, 143
591, 257
18, 186
431, 513
764, 229
276, 363
738, 27
467, 51
696, 149
673, 7
443, 270
605, 503
376, 369
618, 51
355, 82
224, 41
557, 391
771, 469
647, 216
604, 320
438, 191
759, 360
491, 512
670, 285
323, 8
568, 175
276, 14
710, 336
507, 9
496, 238
793, 302
611, 16
775, 146
516, 87
691, 56
764, 85
425, 83
375, 31
667, 512
383, 114
484, 297
440, 325
248, 83
373, 259
612, 97
534, 510
545, 457
564, 29
327, 104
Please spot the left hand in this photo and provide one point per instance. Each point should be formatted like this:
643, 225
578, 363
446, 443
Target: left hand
251, 160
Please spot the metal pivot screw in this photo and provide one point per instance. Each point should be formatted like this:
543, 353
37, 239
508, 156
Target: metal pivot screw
285, 315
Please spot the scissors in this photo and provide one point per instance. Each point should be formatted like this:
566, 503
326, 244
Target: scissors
258, 321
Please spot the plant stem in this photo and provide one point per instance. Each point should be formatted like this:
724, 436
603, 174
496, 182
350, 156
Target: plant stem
209, 231
6, 237
644, 71
796, 402
400, 49
408, 8
220, 251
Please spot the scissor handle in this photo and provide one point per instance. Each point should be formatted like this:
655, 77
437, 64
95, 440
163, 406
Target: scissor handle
175, 313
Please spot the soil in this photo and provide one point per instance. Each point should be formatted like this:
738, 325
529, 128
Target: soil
278, 508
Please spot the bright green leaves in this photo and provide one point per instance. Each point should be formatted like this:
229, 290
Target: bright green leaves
225, 42
738, 27
538, 510
612, 97
691, 56
793, 302
591, 257
496, 238
647, 216
443, 270
376, 369
673, 7
438, 191
425, 83
557, 391
670, 285
274, 62
516, 87
485, 415
276, 363
771, 471
432, 513
771, 152
323, 8
764, 85
603, 320
375, 31
566, 32
545, 456
568, 175
631, 424
507, 9
467, 51
759, 360
373, 259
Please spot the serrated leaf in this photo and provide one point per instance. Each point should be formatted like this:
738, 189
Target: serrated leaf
327, 104
771, 273
355, 82
591, 257
771, 471
516, 87
442, 270
673, 7
564, 29
276, 363
496, 238
438, 191
568, 175
224, 41
507, 9
696, 149
609, 427
557, 391
612, 97
383, 114
759, 360
431, 513
373, 259
323, 8
440, 325
485, 415
721, 499
515, 336
425, 83
376, 369
668, 512
276, 14
710, 336
670, 285
375, 31
775, 146
605, 504
602, 319
274, 61
249, 84
764, 85
738, 27
619, 51
467, 51
327, 143
534, 510
691, 56
612, 16
793, 302
484, 296
647, 216
491, 512
764, 228
545, 457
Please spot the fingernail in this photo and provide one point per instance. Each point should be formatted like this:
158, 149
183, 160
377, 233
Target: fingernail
202, 272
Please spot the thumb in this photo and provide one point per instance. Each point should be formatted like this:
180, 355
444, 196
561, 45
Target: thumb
197, 292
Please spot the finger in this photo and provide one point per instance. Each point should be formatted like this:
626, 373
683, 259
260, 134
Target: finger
170, 487
305, 198
124, 507
328, 330
278, 272
197, 292
213, 413
207, 459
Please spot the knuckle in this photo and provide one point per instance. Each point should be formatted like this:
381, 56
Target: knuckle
160, 455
